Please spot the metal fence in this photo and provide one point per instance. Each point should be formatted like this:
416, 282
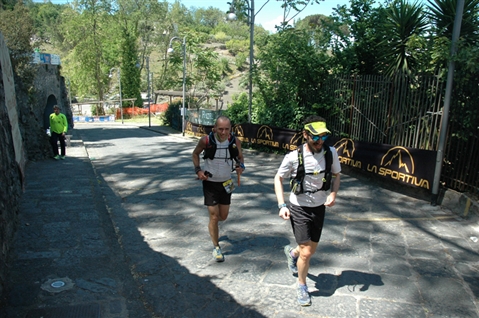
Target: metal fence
203, 116
400, 111
403, 111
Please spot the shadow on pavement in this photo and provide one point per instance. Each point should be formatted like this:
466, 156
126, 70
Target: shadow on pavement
167, 288
327, 284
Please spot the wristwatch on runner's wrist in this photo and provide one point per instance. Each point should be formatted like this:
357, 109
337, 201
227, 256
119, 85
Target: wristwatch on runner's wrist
282, 205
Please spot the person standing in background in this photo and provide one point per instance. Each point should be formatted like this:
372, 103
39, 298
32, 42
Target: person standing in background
58, 129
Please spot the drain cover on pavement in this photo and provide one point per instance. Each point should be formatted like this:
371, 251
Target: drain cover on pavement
57, 285
77, 311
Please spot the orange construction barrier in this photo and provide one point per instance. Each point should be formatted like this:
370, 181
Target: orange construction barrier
135, 111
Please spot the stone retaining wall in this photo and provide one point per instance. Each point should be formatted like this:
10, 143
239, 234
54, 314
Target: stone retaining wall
10, 186
33, 107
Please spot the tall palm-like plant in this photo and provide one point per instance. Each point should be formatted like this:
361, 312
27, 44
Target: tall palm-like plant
443, 13
406, 23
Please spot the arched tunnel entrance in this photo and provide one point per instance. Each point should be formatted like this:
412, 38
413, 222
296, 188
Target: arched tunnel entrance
51, 101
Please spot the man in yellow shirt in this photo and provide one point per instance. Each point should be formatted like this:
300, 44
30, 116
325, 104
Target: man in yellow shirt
58, 129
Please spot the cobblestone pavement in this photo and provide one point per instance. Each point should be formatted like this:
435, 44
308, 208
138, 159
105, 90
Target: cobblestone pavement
121, 223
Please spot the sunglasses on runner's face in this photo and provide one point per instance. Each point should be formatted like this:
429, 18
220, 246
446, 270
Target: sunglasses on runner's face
316, 138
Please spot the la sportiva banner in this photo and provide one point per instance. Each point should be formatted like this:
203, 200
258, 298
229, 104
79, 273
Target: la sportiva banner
413, 167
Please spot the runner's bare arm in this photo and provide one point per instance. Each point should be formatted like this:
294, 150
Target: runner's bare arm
336, 181
200, 146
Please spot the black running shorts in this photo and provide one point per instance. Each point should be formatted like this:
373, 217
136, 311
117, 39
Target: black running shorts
307, 223
215, 193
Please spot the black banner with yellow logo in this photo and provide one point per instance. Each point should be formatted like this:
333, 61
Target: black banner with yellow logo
256, 134
413, 167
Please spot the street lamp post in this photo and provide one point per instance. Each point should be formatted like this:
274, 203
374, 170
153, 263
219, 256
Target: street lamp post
170, 49
251, 16
119, 85
69, 93
148, 89
456, 31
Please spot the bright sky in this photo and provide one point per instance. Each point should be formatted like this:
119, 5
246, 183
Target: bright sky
270, 15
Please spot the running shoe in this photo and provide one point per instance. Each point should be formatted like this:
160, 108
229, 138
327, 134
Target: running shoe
303, 295
57, 157
62, 157
218, 255
291, 260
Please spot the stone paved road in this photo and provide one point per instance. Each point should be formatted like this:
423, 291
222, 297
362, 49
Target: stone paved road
382, 254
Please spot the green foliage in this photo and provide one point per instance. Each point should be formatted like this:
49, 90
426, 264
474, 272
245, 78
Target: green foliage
318, 28
93, 36
443, 12
17, 29
130, 78
203, 69
47, 18
224, 65
7, 4
221, 37
405, 24
356, 35
237, 112
172, 113
464, 114
290, 69
289, 78
97, 110
206, 20
237, 46
233, 29
240, 60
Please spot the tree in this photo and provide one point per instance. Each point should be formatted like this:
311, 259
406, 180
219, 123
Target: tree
206, 20
92, 34
203, 73
17, 29
289, 78
406, 25
464, 114
8, 4
46, 18
317, 26
130, 71
356, 36
443, 12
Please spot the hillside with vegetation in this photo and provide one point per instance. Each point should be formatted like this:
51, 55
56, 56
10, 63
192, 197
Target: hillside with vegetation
96, 39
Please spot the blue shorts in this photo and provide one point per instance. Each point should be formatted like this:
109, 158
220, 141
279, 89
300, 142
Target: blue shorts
307, 223
215, 193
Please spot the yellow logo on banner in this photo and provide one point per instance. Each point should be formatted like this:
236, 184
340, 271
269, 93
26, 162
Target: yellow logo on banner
396, 154
345, 148
200, 131
265, 132
264, 136
398, 164
238, 131
297, 139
